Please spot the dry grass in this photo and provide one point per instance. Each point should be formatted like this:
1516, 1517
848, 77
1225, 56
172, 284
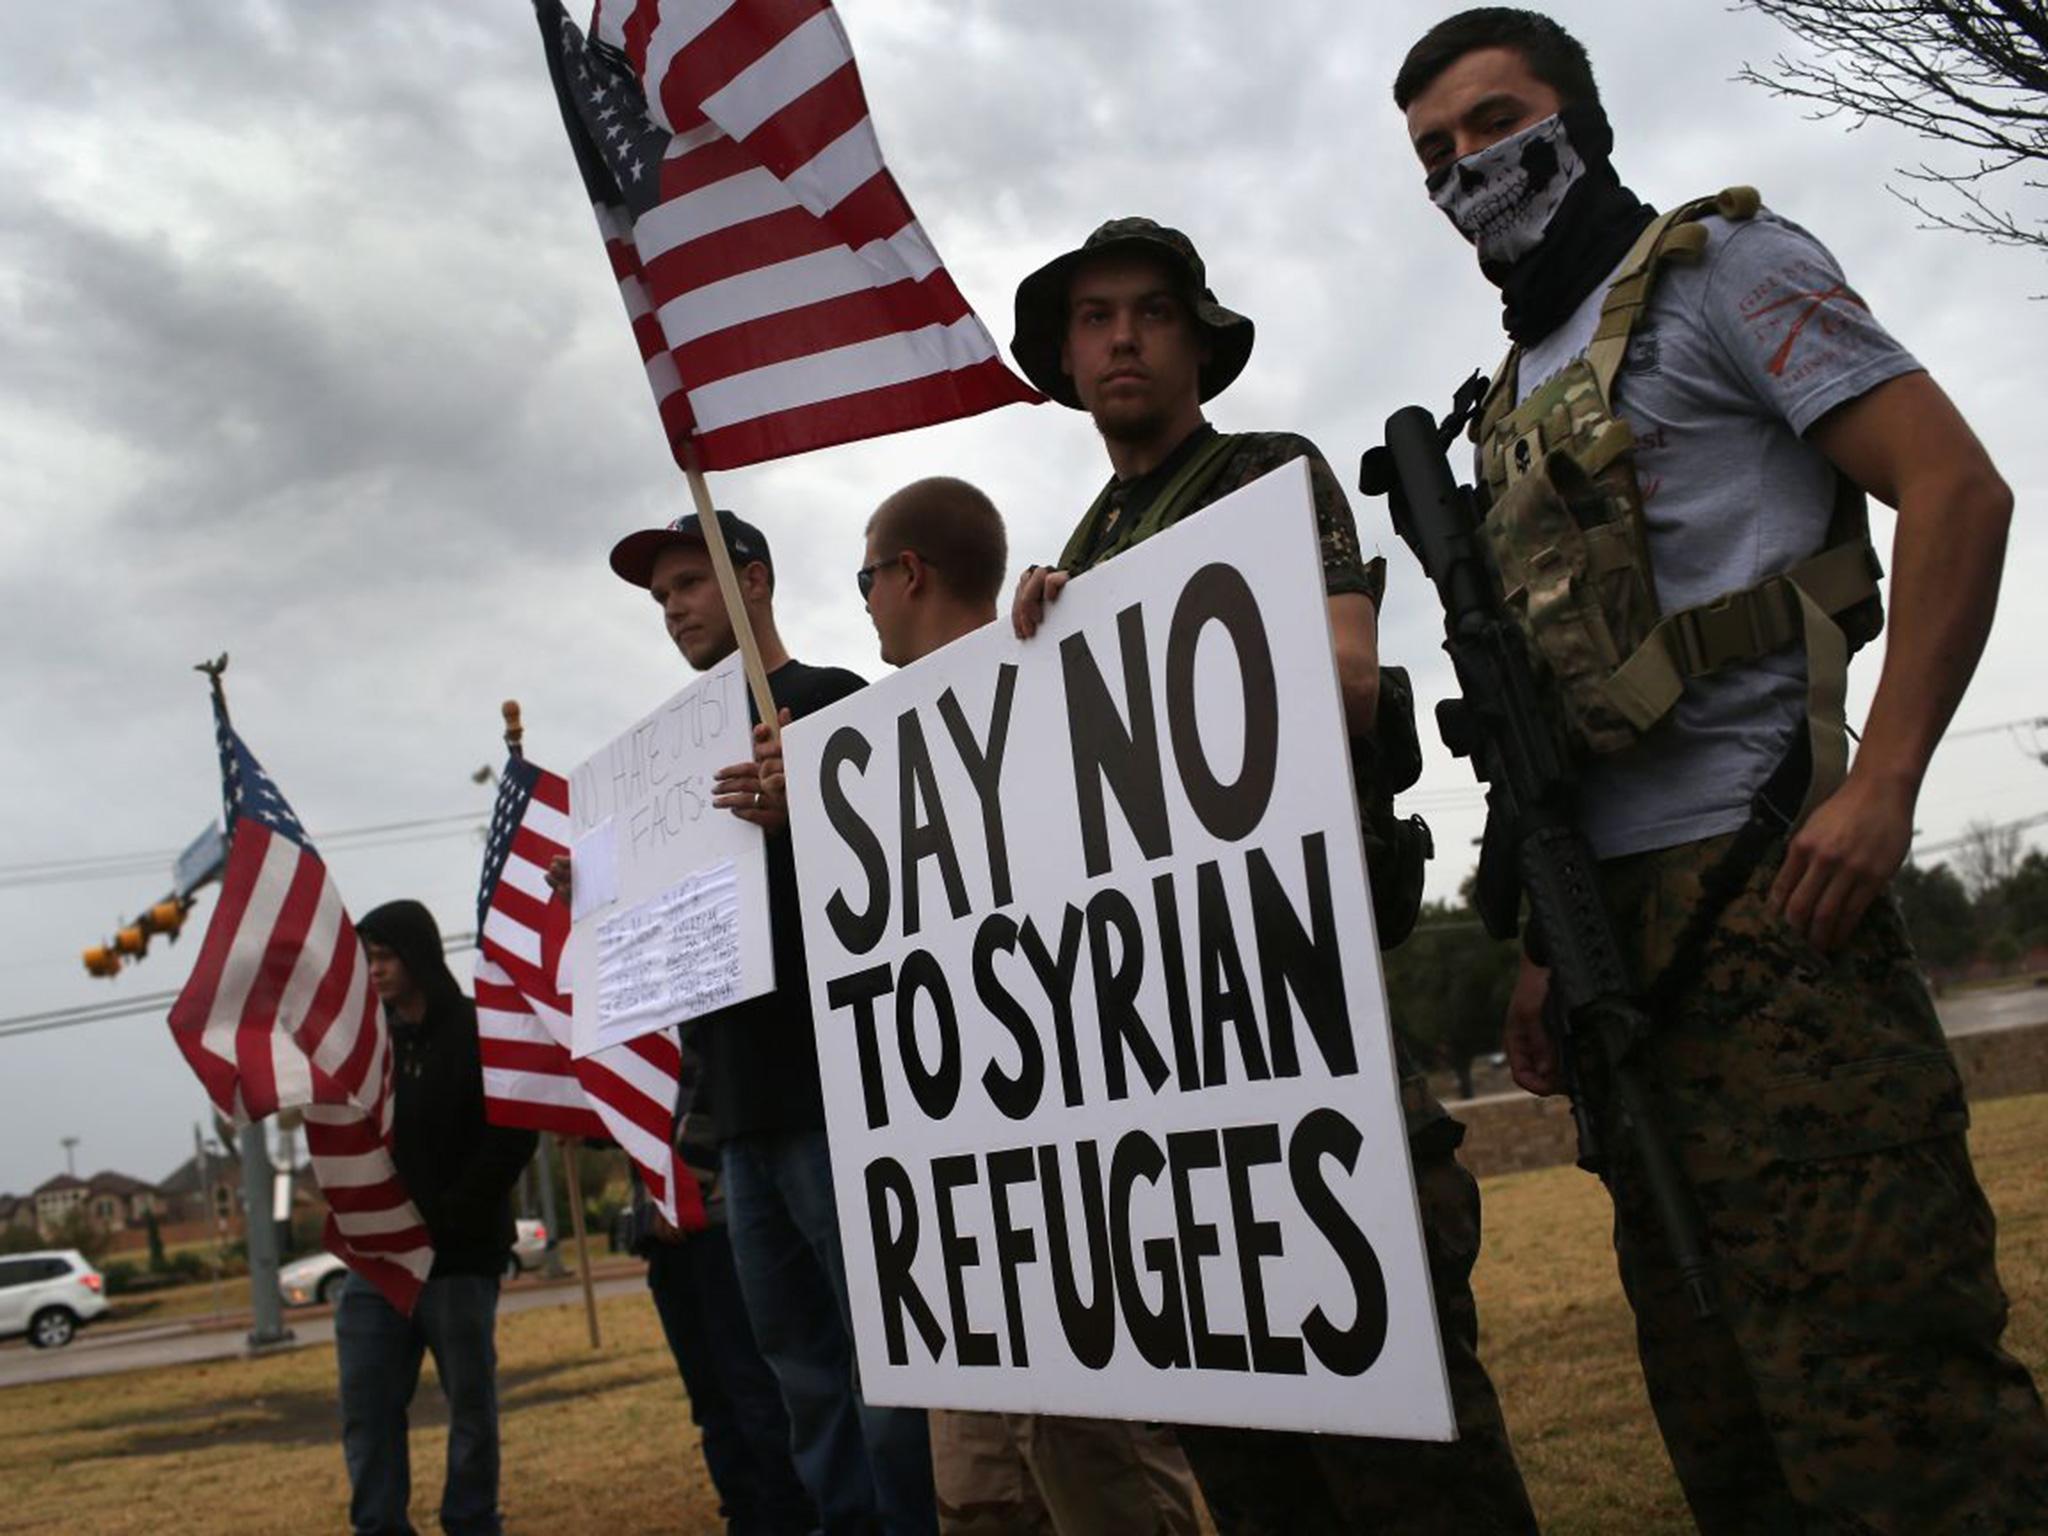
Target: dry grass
602, 1442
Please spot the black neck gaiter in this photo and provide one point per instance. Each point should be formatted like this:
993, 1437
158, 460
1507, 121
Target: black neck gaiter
1585, 240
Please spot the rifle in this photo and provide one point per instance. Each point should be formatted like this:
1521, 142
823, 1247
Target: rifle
1532, 846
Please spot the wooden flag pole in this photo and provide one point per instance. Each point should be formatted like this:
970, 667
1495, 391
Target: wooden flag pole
515, 743
729, 589
568, 1146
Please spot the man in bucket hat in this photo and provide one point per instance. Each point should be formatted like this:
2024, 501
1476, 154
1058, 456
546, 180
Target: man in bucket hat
1127, 329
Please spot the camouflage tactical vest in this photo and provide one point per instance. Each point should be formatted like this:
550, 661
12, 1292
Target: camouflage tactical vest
1565, 525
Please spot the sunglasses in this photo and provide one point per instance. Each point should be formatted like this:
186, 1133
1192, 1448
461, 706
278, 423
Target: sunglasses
864, 578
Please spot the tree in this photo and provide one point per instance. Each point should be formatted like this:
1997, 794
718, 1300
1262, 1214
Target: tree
1989, 857
1938, 914
1447, 987
1969, 74
156, 1240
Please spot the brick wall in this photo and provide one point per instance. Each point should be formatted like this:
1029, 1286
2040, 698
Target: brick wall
1510, 1133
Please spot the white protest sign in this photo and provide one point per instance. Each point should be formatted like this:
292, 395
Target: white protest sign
670, 897
1114, 1118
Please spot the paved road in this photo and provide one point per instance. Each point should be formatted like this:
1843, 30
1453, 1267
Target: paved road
187, 1343
1977, 1013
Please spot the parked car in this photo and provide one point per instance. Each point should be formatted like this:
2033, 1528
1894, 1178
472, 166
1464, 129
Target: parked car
49, 1295
316, 1280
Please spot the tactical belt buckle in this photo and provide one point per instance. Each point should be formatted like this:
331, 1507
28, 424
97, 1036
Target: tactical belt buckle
1736, 626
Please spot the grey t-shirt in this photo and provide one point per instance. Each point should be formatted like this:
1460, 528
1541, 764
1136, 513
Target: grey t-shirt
1736, 356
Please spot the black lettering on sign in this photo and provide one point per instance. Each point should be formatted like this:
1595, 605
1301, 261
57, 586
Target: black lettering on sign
1161, 1335
1348, 1351
1056, 975
984, 765
959, 1253
1090, 1326
895, 1252
858, 932
1307, 962
1219, 594
1246, 1147
1016, 1097
1119, 965
1105, 748
1226, 995
936, 1089
859, 992
1188, 1151
923, 838
1014, 1244
1173, 972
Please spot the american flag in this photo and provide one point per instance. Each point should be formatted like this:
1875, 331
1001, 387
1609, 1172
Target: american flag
783, 294
624, 1093
278, 1013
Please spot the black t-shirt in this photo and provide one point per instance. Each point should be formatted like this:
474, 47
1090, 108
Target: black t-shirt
761, 1056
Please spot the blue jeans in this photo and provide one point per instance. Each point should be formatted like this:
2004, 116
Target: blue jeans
378, 1350
869, 1469
734, 1401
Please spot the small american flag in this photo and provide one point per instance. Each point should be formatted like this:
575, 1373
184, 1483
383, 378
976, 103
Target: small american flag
278, 1013
624, 1093
783, 294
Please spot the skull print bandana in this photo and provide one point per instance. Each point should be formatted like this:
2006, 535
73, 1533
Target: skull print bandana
1503, 197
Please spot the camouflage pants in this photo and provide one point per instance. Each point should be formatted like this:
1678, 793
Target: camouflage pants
1275, 1483
1029, 1474
1854, 1381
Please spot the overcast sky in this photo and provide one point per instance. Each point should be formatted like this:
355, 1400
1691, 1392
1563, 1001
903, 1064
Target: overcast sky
308, 352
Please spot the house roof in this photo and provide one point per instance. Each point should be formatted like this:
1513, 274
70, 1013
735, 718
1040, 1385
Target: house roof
57, 1183
108, 1182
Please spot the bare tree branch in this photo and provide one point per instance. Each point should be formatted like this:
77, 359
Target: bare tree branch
1968, 73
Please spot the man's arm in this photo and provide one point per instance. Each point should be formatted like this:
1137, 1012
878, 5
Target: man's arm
1906, 444
1354, 635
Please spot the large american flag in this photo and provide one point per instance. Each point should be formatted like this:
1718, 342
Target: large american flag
783, 294
278, 1013
624, 1093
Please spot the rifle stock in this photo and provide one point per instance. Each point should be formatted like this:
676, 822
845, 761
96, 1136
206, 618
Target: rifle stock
1502, 723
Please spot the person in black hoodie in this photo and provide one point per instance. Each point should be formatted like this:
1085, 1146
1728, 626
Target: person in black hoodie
459, 1171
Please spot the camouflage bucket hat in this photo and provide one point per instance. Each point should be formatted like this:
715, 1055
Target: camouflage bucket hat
1042, 308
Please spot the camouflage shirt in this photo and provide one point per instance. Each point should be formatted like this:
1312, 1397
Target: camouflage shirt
1250, 455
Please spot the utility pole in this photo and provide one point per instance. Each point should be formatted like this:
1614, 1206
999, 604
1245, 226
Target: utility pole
553, 1267
202, 1170
68, 1142
259, 1231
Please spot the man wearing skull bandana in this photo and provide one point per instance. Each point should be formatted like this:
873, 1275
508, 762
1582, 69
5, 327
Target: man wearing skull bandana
1854, 1377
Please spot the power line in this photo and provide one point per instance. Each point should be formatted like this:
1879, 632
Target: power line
2037, 723
350, 840
1949, 843
149, 1002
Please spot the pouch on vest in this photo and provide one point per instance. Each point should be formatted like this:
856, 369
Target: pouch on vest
1565, 526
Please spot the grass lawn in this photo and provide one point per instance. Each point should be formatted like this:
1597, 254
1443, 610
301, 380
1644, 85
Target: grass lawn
602, 1442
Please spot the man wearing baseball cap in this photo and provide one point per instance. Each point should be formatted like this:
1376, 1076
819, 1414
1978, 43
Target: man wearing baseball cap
868, 1469
1126, 328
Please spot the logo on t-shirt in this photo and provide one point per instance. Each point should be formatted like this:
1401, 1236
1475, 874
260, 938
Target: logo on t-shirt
1797, 314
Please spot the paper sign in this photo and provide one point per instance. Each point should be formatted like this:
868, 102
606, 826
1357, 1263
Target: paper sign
1114, 1119
673, 922
594, 858
673, 957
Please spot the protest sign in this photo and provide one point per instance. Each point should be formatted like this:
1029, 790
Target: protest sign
670, 897
1114, 1118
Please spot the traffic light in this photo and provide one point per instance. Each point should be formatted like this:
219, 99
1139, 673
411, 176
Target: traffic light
131, 941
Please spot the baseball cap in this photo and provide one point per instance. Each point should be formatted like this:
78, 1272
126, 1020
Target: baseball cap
633, 556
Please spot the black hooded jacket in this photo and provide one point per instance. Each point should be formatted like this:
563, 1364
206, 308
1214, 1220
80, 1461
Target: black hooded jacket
458, 1169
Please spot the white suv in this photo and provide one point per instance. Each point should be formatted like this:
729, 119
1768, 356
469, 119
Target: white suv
49, 1295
